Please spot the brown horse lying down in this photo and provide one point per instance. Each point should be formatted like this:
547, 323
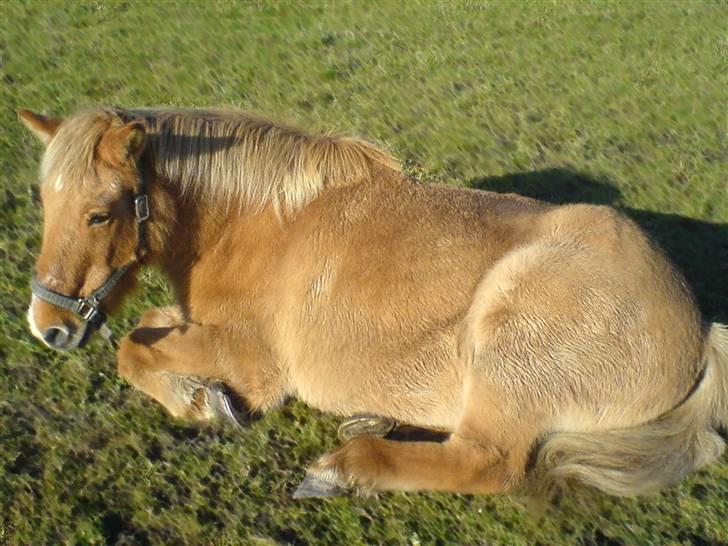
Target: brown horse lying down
555, 344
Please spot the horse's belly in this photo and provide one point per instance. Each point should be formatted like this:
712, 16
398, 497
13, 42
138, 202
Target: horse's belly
420, 385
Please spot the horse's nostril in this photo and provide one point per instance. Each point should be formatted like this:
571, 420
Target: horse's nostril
57, 337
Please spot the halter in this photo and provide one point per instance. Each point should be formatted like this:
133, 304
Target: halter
89, 308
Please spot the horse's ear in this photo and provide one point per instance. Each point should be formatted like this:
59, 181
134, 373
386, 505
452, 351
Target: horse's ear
123, 144
44, 127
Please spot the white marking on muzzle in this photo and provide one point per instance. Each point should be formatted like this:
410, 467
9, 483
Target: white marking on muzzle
31, 320
33, 326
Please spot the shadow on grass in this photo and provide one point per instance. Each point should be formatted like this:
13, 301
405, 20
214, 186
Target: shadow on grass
698, 248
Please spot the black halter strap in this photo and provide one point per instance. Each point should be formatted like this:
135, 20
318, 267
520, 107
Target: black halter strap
89, 308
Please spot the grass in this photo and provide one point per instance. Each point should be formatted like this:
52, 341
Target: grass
618, 103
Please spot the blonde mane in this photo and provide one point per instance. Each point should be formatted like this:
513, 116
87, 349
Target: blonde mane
224, 157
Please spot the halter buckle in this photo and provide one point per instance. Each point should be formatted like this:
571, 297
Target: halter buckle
141, 208
87, 311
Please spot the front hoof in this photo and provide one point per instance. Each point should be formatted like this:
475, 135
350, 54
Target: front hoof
221, 405
204, 400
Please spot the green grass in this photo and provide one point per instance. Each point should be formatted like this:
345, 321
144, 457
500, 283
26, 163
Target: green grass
618, 103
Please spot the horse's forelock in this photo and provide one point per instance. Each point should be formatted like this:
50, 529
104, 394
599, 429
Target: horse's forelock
70, 154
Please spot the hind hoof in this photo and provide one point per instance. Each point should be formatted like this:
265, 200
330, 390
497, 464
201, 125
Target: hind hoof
316, 485
365, 425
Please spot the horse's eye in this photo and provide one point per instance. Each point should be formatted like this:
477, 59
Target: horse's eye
98, 218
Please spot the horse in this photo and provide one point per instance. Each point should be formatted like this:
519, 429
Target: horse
551, 345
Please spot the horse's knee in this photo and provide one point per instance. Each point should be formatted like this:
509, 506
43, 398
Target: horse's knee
133, 364
162, 317
130, 357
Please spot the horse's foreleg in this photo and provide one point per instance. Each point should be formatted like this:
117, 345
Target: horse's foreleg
175, 363
180, 364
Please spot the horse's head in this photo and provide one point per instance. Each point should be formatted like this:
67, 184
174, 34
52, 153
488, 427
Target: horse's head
92, 213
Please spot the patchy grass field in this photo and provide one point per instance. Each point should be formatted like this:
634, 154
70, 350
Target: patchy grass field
617, 103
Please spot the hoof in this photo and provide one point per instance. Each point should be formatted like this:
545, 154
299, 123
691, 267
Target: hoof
316, 486
365, 425
221, 405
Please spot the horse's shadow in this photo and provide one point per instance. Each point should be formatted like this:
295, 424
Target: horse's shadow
698, 248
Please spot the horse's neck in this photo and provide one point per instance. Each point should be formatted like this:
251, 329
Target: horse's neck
199, 244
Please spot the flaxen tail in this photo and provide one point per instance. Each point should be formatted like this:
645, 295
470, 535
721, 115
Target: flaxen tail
645, 459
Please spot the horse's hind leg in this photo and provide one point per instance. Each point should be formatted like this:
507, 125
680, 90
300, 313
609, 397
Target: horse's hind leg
375, 464
489, 457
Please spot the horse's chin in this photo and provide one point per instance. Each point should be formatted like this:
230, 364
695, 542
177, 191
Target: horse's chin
87, 333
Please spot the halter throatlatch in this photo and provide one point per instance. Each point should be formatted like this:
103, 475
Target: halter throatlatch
89, 308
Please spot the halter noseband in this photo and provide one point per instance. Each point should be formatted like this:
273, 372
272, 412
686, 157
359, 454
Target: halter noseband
89, 308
